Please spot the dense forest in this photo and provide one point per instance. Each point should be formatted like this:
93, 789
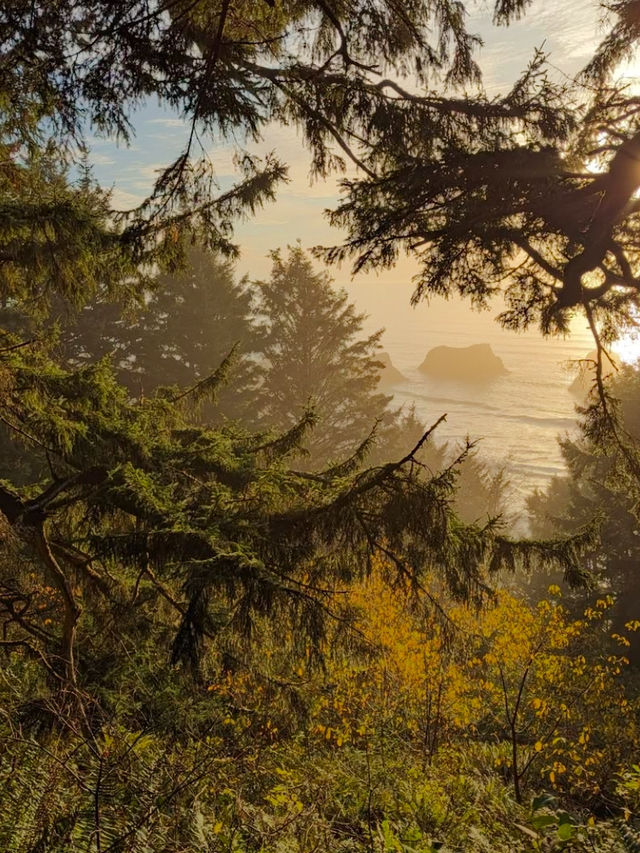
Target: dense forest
247, 603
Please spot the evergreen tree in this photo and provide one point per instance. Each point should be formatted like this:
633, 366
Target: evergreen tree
190, 321
229, 67
129, 503
531, 192
141, 506
139, 533
601, 483
314, 354
135, 486
531, 195
57, 235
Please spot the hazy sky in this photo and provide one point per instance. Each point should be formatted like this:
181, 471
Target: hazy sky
567, 30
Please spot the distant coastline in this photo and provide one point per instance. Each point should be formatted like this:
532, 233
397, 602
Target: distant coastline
518, 416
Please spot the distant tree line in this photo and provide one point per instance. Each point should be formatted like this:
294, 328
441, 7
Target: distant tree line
297, 345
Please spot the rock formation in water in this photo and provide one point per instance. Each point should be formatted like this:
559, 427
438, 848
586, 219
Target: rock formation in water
475, 363
389, 375
586, 373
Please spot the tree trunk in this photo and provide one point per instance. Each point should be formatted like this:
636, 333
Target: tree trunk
72, 610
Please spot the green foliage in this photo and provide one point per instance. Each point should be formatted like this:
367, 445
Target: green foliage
220, 775
602, 483
312, 352
189, 323
57, 238
144, 556
530, 194
297, 344
207, 518
229, 68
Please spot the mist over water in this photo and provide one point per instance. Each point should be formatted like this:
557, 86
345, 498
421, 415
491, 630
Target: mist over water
517, 417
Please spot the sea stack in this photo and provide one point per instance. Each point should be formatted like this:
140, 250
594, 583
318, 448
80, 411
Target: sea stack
585, 377
389, 375
476, 363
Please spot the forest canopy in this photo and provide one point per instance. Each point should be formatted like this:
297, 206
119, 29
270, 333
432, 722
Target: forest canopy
185, 603
530, 192
163, 499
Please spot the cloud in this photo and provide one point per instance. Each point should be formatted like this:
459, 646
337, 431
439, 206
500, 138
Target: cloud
98, 159
121, 200
568, 32
167, 122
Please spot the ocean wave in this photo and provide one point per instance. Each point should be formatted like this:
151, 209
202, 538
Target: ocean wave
473, 406
557, 422
543, 471
446, 401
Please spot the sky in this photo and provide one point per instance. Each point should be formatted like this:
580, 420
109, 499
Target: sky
567, 31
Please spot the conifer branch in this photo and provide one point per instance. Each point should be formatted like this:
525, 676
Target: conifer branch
208, 386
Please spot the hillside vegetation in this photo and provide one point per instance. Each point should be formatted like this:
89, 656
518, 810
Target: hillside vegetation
246, 605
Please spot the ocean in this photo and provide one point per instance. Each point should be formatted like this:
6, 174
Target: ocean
516, 418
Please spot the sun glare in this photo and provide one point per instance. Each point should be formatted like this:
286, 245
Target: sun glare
629, 73
627, 348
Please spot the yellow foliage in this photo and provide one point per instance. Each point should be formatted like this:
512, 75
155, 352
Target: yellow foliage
509, 671
514, 675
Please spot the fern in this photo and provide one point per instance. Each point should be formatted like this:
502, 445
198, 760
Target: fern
630, 837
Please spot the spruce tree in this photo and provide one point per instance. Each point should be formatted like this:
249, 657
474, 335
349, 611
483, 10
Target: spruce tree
132, 502
229, 67
531, 195
531, 192
142, 506
189, 321
314, 353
